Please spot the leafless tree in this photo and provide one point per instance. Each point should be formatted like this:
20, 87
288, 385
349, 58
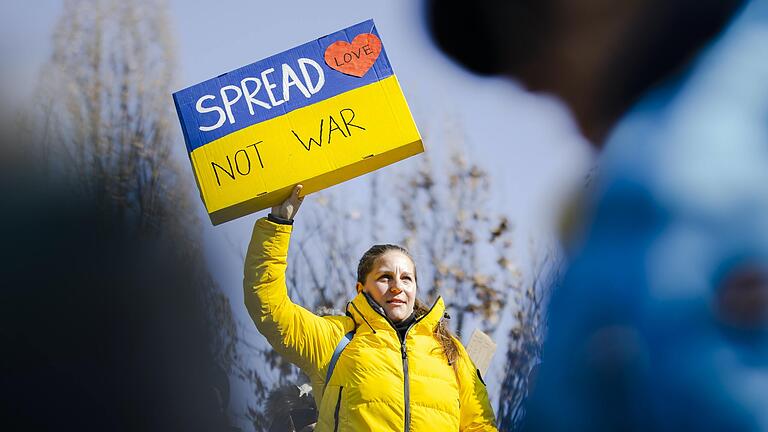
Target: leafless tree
106, 115
104, 121
467, 249
525, 341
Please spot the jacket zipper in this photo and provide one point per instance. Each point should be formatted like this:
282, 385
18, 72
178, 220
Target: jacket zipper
404, 352
406, 384
336, 412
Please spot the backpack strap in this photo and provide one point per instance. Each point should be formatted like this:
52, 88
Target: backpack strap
337, 353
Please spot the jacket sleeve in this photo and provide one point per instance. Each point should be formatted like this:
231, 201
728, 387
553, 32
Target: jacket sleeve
476, 412
300, 336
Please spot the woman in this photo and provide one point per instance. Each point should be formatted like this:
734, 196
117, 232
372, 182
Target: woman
402, 370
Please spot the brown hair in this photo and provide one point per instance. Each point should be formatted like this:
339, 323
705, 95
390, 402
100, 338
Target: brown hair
443, 335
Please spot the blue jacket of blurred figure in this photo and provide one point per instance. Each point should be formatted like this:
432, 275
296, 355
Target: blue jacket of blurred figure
661, 321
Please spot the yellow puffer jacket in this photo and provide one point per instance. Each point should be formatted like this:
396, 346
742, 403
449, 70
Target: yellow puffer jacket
378, 383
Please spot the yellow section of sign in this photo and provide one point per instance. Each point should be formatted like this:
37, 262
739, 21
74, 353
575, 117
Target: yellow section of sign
320, 145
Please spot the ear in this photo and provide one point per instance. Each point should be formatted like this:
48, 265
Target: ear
359, 287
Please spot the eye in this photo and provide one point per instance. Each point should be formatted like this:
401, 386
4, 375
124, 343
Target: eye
408, 278
383, 277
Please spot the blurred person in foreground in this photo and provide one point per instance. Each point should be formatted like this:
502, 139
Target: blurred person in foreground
101, 328
661, 322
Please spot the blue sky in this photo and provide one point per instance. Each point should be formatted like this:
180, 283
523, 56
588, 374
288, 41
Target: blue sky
528, 143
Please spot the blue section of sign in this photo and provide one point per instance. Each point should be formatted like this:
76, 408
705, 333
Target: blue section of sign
335, 83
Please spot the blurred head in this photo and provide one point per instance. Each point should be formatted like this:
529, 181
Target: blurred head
387, 273
597, 55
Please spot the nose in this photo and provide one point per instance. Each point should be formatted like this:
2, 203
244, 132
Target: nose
395, 286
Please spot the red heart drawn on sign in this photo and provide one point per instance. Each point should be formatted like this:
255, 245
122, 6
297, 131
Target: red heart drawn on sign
354, 58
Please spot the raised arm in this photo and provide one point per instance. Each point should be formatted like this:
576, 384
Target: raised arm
300, 336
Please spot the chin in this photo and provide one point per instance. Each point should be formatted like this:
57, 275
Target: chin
394, 317
397, 316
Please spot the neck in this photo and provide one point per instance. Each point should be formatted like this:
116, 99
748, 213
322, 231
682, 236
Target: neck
405, 322
402, 326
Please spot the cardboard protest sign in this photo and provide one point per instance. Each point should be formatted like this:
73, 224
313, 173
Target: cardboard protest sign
318, 114
481, 349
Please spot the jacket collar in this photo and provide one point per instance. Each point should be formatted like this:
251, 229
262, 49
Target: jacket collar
363, 310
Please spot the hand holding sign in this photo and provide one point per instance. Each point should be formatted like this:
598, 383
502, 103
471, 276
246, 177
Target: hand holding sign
354, 58
289, 207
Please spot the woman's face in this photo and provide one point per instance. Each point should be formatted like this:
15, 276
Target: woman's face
392, 284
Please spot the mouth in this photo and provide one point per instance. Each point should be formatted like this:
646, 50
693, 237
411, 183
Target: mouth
396, 302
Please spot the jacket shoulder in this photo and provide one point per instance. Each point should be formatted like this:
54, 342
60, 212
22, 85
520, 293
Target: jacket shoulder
343, 322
